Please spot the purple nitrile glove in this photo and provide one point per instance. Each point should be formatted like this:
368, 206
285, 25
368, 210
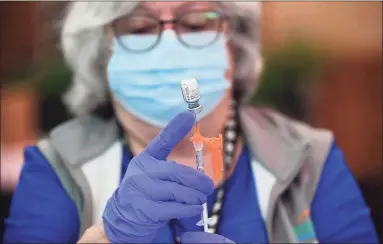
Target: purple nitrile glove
154, 191
203, 237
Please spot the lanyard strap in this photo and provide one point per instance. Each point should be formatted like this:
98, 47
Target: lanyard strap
230, 137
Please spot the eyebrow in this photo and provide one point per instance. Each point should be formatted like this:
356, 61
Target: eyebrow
184, 6
179, 9
187, 5
143, 9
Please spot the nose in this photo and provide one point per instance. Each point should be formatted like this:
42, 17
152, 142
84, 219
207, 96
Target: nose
168, 25
167, 17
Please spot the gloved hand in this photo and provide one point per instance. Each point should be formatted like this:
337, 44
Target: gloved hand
154, 190
203, 237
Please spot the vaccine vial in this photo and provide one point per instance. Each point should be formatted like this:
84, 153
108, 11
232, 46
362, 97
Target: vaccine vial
191, 95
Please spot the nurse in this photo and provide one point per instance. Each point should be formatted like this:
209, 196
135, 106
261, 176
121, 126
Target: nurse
124, 169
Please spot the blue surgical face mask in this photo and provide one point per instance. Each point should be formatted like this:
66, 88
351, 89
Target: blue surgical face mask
147, 84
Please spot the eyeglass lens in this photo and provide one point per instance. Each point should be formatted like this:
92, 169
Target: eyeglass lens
139, 33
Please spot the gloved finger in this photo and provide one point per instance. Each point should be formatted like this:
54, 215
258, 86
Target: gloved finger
166, 191
181, 174
160, 147
146, 210
175, 210
203, 237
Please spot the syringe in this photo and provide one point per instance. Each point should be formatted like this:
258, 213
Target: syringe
191, 95
198, 146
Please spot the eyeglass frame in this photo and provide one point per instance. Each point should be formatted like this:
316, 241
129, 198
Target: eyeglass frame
175, 22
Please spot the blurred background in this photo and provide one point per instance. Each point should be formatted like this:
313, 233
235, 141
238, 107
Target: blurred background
323, 65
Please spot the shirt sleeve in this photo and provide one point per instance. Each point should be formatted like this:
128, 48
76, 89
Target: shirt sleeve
41, 209
339, 212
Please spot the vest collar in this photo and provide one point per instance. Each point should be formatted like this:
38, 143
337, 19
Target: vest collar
82, 139
273, 143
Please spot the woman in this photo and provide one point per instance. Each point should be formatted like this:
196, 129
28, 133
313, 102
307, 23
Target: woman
284, 181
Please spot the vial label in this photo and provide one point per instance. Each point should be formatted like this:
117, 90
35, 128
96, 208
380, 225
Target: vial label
190, 95
190, 90
187, 93
194, 94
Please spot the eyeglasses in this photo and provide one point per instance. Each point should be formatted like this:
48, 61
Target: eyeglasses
141, 33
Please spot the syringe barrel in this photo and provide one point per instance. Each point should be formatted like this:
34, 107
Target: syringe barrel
198, 145
199, 160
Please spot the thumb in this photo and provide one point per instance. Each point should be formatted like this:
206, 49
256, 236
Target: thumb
160, 147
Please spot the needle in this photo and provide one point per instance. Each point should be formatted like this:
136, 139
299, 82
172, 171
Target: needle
195, 119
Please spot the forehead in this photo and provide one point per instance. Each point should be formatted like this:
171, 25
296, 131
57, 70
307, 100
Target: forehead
174, 6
